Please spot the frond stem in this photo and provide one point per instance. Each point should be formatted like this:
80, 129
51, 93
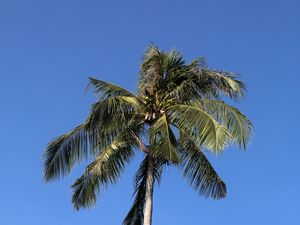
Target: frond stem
143, 147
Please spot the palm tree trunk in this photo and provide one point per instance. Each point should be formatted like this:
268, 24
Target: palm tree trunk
149, 195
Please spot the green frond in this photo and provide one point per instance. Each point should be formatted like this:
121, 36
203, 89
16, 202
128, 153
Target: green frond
198, 171
85, 190
220, 81
182, 71
155, 166
173, 65
105, 169
196, 80
111, 116
163, 142
118, 108
200, 126
106, 90
235, 121
180, 94
66, 150
116, 154
151, 72
157, 69
180, 86
108, 118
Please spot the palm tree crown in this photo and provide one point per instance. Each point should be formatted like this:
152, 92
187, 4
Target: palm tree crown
176, 114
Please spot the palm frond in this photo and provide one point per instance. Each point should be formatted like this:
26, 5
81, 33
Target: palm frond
154, 167
105, 169
196, 80
119, 108
200, 126
198, 170
174, 64
180, 94
111, 116
162, 140
66, 150
157, 70
213, 81
235, 121
182, 71
106, 90
108, 118
85, 190
152, 71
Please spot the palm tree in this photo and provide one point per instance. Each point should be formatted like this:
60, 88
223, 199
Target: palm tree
176, 114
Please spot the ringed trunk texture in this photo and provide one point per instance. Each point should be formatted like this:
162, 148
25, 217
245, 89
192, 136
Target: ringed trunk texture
149, 195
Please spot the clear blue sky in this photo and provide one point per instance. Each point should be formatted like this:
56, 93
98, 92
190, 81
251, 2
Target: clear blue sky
49, 48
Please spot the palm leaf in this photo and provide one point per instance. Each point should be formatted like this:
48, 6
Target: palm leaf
118, 107
106, 90
152, 71
65, 151
162, 140
157, 70
220, 81
200, 126
108, 118
105, 169
111, 116
174, 65
180, 94
85, 190
235, 121
198, 171
196, 80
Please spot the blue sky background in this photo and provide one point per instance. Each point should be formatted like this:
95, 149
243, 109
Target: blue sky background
49, 48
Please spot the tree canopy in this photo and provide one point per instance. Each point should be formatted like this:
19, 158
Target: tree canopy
176, 115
